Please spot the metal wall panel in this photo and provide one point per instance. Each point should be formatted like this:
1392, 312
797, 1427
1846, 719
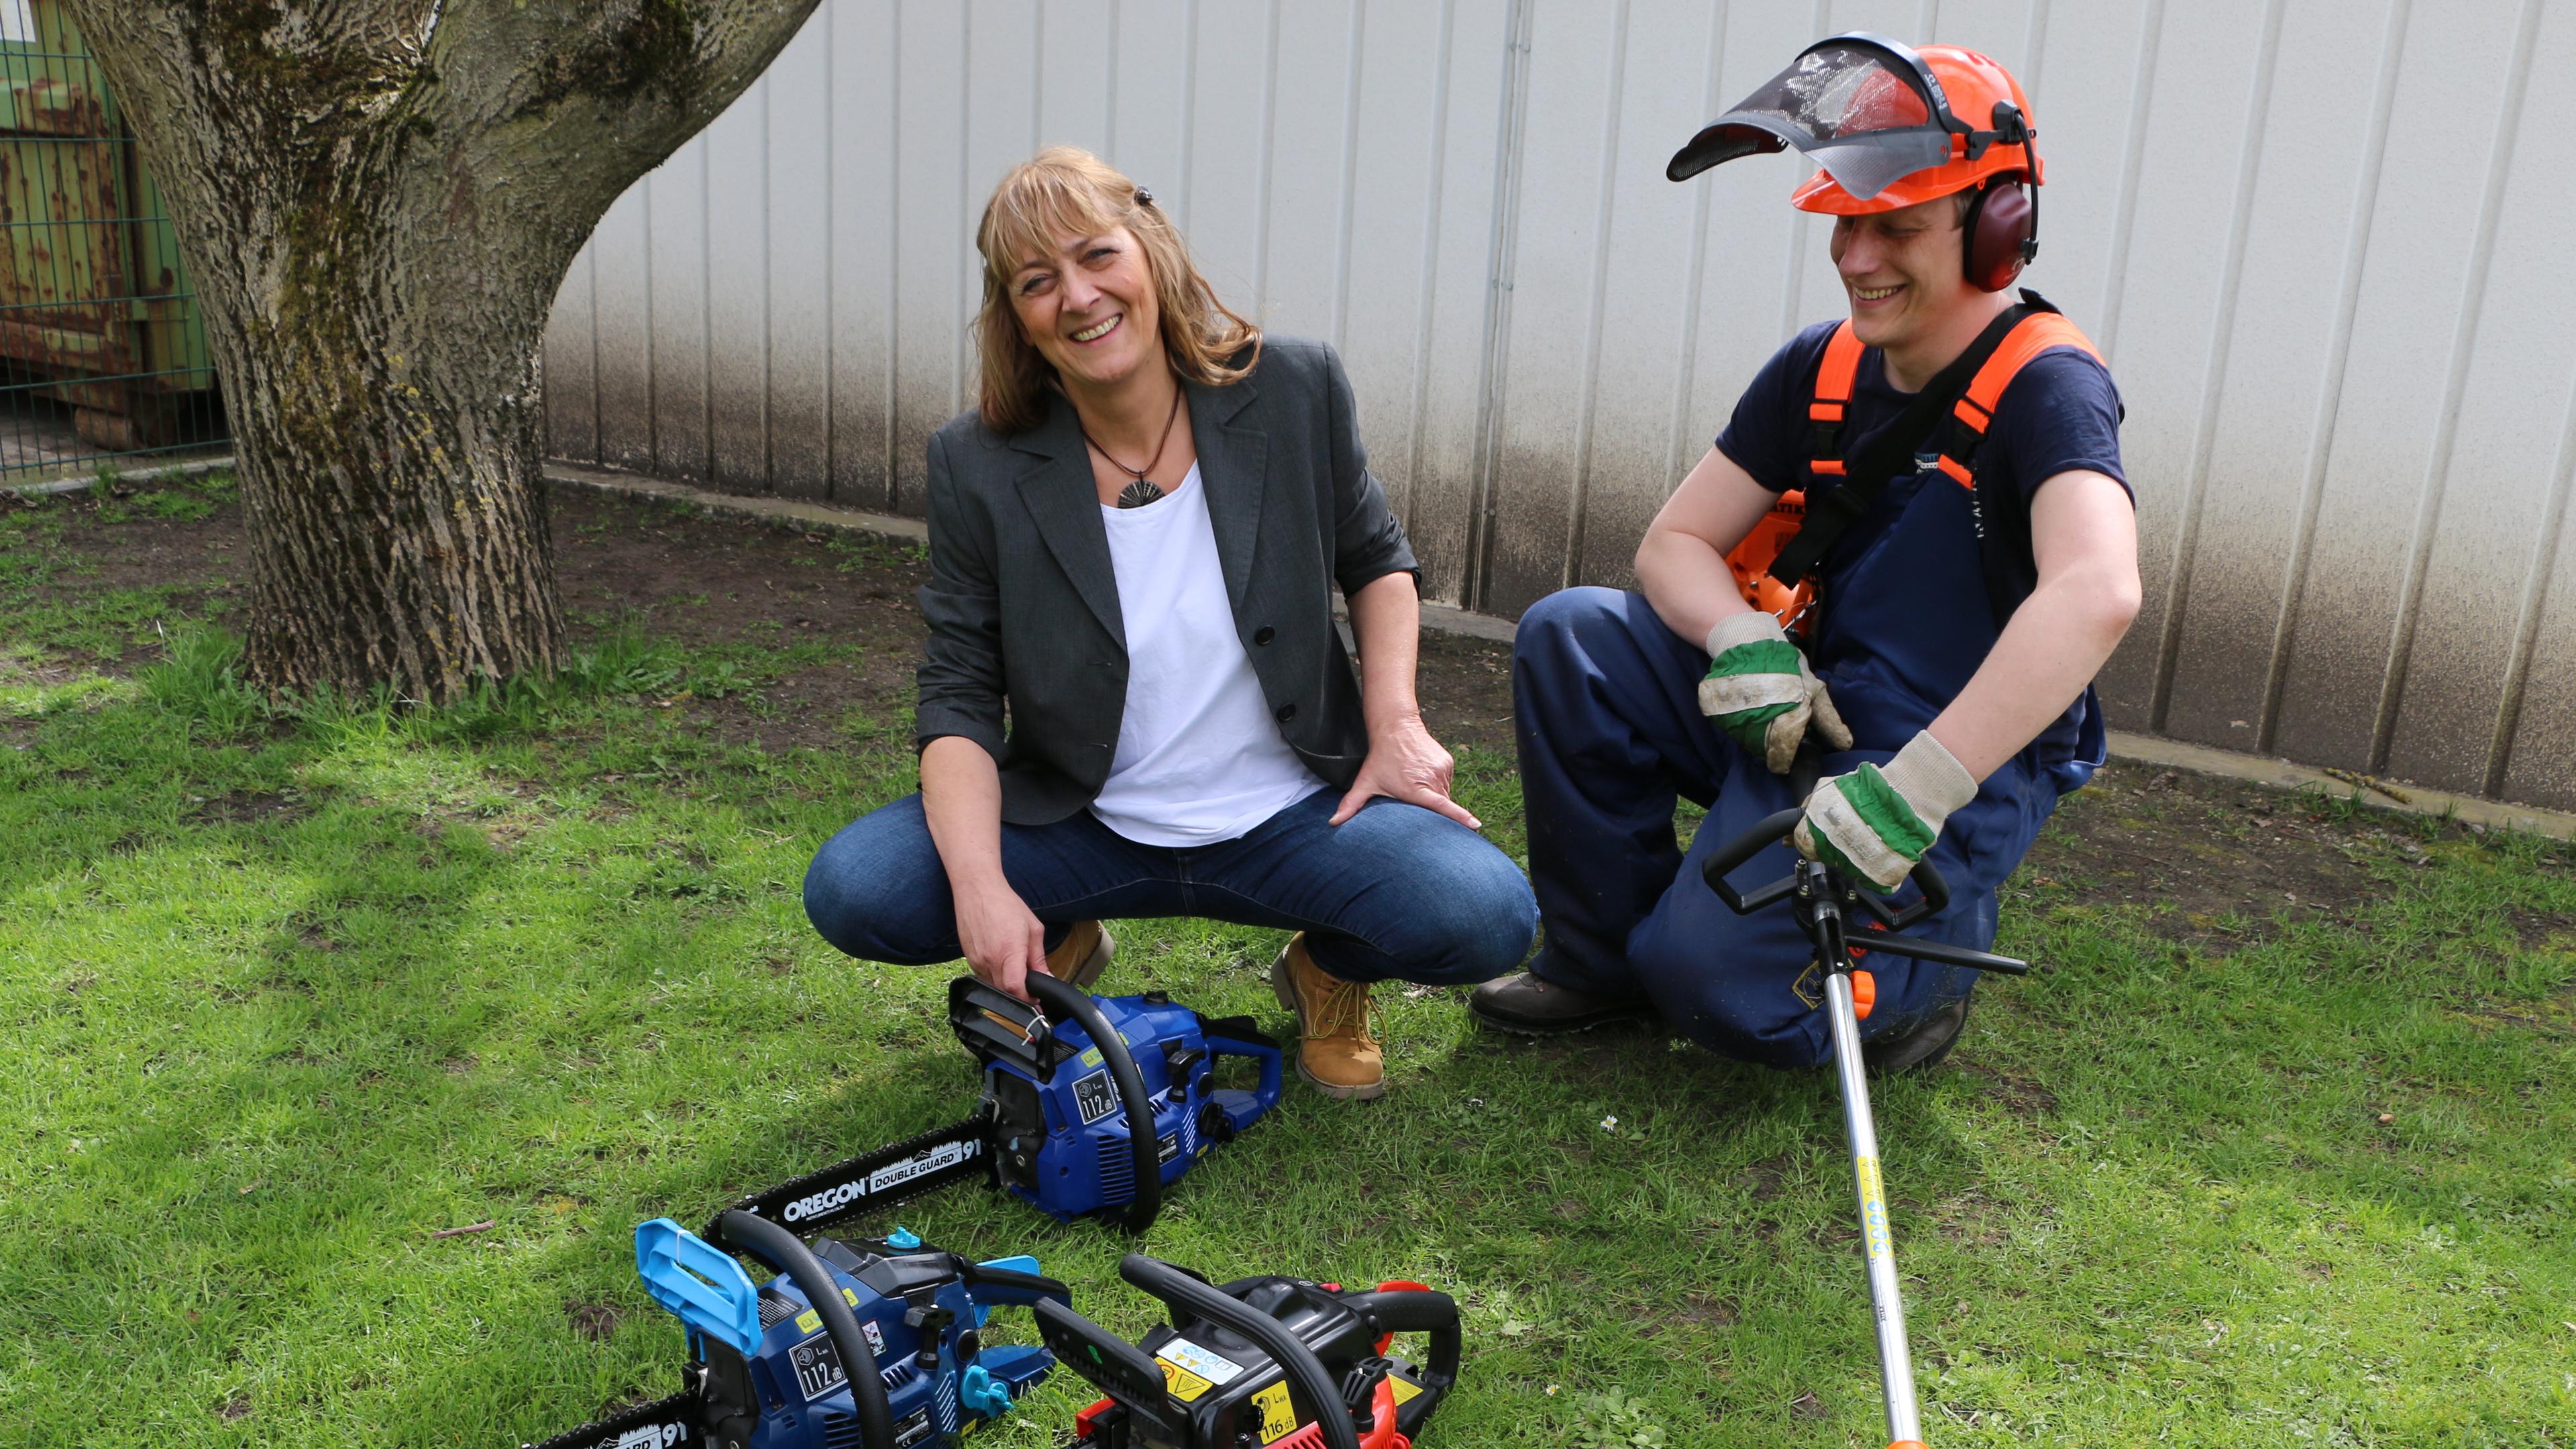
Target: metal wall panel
798, 296
2314, 237
2422, 282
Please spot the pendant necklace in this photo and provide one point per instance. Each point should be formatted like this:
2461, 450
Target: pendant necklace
1143, 490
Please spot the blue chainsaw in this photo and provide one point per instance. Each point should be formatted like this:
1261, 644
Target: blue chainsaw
1091, 1106
870, 1344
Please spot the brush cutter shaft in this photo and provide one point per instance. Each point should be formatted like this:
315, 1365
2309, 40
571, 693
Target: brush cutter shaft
1886, 1300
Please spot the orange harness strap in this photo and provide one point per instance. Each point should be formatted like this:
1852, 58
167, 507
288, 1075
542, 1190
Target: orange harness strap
2032, 336
1834, 375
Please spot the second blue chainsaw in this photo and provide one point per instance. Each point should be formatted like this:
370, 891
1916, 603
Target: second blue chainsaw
1066, 1084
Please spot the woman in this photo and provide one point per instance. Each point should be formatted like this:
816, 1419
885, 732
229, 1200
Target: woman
1133, 540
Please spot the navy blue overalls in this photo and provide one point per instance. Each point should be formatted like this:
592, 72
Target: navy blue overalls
1610, 732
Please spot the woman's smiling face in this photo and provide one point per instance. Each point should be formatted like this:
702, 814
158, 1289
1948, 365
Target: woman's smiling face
1088, 306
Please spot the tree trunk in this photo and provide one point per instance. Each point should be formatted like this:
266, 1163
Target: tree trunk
378, 200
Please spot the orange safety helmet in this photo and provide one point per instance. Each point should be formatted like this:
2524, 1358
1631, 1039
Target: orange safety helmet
1890, 127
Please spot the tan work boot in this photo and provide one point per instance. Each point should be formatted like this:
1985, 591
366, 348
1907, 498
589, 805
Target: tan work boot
1082, 955
1339, 1050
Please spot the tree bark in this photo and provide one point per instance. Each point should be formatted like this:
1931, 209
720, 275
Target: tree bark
378, 200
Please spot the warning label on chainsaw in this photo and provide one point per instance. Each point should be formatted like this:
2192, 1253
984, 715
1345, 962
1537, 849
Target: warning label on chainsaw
1405, 1389
1094, 1097
1168, 1145
1278, 1415
1213, 1367
912, 1430
1183, 1385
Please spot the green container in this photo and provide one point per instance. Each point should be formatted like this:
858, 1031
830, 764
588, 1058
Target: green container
96, 311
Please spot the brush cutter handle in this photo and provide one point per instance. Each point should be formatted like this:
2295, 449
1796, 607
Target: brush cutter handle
1185, 1294
1775, 827
1066, 1002
785, 1252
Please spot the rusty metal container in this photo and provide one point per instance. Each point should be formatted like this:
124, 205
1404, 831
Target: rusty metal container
96, 312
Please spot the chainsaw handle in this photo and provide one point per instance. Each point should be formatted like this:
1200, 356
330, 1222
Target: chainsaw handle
1181, 1292
1064, 1001
1418, 1310
1010, 1287
787, 1254
1258, 1048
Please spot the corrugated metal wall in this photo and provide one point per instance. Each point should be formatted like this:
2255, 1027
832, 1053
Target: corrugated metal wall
2320, 240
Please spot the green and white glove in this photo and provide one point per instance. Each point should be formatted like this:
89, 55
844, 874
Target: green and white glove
1875, 823
1760, 691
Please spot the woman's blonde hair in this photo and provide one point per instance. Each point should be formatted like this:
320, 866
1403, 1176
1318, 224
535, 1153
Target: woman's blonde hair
1065, 191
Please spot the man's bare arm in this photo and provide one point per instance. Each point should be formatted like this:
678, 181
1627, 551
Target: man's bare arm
2084, 537
1681, 563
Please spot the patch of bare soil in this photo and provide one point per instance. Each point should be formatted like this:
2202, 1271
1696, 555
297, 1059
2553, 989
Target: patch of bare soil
2208, 862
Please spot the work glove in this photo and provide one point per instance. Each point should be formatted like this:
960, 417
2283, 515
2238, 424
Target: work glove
1875, 823
1760, 691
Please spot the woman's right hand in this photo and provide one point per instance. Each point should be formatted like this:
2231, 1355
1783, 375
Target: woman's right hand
1003, 942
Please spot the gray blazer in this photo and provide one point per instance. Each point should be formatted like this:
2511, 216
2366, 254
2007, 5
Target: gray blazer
1023, 607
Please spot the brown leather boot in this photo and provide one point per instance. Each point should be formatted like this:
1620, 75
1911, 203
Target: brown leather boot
1338, 1050
1082, 955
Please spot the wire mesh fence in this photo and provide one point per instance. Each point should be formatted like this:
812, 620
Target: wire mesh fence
102, 349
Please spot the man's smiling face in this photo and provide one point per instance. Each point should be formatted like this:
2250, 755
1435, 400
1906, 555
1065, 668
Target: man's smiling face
1902, 270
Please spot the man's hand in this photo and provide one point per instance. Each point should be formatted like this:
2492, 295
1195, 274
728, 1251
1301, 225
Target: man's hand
1405, 763
1003, 942
1874, 824
1760, 691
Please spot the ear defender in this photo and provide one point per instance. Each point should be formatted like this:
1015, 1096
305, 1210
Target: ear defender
2003, 233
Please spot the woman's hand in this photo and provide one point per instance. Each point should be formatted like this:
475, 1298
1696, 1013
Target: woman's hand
1405, 763
1003, 942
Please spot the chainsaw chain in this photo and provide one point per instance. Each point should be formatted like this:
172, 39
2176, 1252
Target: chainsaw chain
675, 1418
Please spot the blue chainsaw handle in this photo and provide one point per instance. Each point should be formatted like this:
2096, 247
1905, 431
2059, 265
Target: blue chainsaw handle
1011, 1288
1066, 1002
787, 1253
1269, 1054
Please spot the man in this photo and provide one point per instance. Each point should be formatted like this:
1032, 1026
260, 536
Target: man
1963, 610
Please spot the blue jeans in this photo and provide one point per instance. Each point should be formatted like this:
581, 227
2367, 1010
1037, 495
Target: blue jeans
1396, 891
1606, 702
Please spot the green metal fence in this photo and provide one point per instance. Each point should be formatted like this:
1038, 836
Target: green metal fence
102, 350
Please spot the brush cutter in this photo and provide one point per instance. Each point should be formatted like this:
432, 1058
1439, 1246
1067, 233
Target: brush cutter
1822, 897
872, 1344
1067, 1084
1259, 1363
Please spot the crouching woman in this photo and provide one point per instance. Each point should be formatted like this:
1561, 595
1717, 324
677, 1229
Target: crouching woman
1133, 543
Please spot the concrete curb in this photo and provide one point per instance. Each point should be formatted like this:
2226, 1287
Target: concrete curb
83, 482
2274, 774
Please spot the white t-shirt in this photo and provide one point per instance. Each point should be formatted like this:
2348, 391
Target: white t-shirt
1199, 759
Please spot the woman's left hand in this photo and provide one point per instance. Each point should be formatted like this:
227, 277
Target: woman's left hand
1405, 763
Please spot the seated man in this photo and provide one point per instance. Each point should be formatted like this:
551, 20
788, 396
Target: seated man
1978, 570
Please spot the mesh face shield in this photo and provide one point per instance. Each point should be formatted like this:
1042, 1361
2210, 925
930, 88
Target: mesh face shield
1867, 113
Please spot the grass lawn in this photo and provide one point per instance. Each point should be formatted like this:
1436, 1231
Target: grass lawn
2280, 1147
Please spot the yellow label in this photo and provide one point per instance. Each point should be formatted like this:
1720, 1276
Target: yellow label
1091, 1056
851, 1296
1405, 1389
1184, 1385
1873, 1208
1278, 1415
809, 1321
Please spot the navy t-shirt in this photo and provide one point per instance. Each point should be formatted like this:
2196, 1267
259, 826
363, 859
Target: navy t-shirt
2060, 412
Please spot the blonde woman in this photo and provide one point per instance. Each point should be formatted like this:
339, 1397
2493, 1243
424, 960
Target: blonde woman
1134, 539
